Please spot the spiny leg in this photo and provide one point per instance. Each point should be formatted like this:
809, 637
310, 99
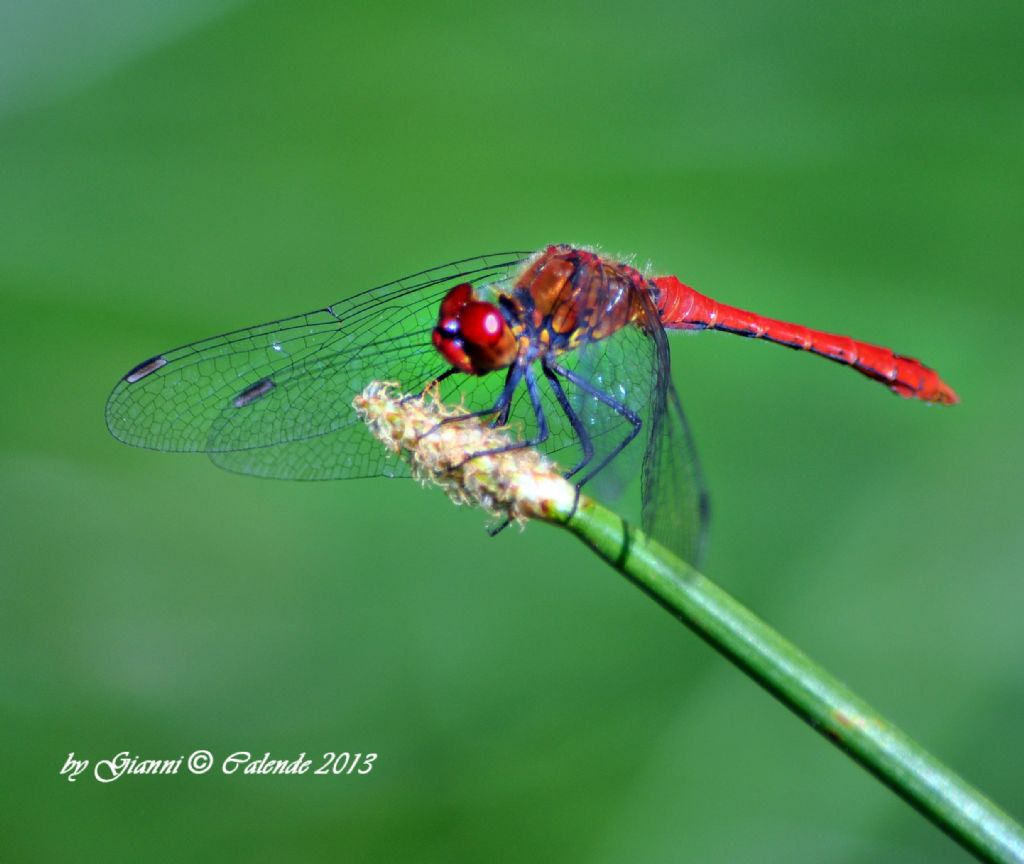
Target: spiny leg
437, 379
538, 411
500, 407
502, 416
539, 438
433, 382
574, 420
577, 426
616, 406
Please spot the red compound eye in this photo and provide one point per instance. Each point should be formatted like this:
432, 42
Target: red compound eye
481, 324
450, 347
472, 335
486, 337
455, 299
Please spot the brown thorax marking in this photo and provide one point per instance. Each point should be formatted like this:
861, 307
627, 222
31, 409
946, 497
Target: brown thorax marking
571, 297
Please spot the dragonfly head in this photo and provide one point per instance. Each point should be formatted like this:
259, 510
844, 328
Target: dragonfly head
473, 335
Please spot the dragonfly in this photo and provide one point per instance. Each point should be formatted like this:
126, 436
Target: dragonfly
565, 345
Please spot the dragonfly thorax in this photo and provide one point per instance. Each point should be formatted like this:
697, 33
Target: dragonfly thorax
473, 335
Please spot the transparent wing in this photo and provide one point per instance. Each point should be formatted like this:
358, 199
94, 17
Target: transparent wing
676, 507
350, 451
624, 367
632, 367
286, 387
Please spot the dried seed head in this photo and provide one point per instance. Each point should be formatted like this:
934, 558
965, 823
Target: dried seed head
517, 484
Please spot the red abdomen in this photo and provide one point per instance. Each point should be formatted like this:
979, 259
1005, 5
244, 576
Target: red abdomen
681, 307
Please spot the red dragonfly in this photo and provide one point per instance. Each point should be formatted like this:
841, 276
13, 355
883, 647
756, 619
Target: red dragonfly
567, 345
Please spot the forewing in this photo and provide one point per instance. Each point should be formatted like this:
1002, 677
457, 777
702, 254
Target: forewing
350, 451
346, 453
276, 386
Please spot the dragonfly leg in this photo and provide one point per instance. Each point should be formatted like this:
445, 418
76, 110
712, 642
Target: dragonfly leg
437, 379
539, 438
577, 426
505, 400
616, 406
538, 410
574, 420
500, 407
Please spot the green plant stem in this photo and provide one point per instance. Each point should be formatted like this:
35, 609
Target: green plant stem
812, 693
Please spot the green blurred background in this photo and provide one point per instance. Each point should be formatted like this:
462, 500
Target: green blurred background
170, 173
